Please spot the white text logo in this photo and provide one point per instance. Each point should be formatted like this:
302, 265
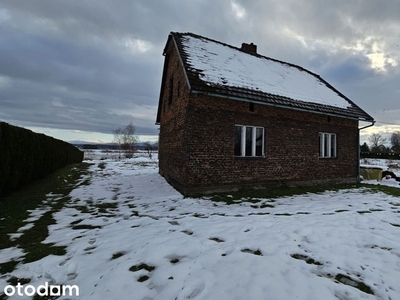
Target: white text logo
42, 290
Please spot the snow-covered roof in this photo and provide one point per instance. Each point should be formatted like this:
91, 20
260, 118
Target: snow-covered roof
223, 70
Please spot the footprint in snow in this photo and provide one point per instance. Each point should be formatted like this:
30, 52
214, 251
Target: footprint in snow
255, 252
193, 290
215, 239
64, 261
142, 266
118, 254
89, 249
188, 232
173, 222
247, 229
228, 251
72, 276
174, 259
307, 259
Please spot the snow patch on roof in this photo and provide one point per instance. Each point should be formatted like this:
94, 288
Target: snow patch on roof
220, 64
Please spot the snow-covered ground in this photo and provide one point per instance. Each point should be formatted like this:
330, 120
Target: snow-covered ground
138, 238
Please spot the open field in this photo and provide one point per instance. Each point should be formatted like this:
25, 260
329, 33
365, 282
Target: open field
119, 231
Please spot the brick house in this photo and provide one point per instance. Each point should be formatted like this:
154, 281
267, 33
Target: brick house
231, 118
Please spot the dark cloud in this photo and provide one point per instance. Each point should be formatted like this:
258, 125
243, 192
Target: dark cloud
96, 65
353, 69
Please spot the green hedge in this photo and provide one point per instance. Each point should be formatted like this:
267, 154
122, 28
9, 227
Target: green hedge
379, 155
25, 156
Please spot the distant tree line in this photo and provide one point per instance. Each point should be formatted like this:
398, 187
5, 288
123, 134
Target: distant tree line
112, 146
377, 144
378, 148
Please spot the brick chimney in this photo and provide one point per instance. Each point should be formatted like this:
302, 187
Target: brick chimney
249, 48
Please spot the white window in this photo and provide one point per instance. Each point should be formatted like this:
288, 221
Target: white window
249, 141
327, 144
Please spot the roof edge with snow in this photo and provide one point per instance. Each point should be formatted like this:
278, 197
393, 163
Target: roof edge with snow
218, 69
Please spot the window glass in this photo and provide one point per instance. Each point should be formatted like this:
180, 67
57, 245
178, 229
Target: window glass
238, 140
249, 138
259, 141
321, 143
249, 141
333, 145
326, 145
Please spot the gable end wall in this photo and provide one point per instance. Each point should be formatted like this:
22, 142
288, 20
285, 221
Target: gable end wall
173, 122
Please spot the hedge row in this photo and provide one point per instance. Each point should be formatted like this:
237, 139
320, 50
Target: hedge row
25, 156
379, 155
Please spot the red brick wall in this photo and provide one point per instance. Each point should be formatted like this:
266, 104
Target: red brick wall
291, 144
196, 150
172, 141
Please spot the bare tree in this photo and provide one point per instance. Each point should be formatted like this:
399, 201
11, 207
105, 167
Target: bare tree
376, 141
118, 138
149, 149
129, 139
126, 139
395, 141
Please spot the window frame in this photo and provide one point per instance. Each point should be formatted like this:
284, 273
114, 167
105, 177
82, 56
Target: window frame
326, 149
243, 140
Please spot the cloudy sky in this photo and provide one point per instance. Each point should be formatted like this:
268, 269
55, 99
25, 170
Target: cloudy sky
78, 69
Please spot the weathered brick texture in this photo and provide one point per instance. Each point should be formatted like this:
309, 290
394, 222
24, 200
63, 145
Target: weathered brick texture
197, 134
173, 153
